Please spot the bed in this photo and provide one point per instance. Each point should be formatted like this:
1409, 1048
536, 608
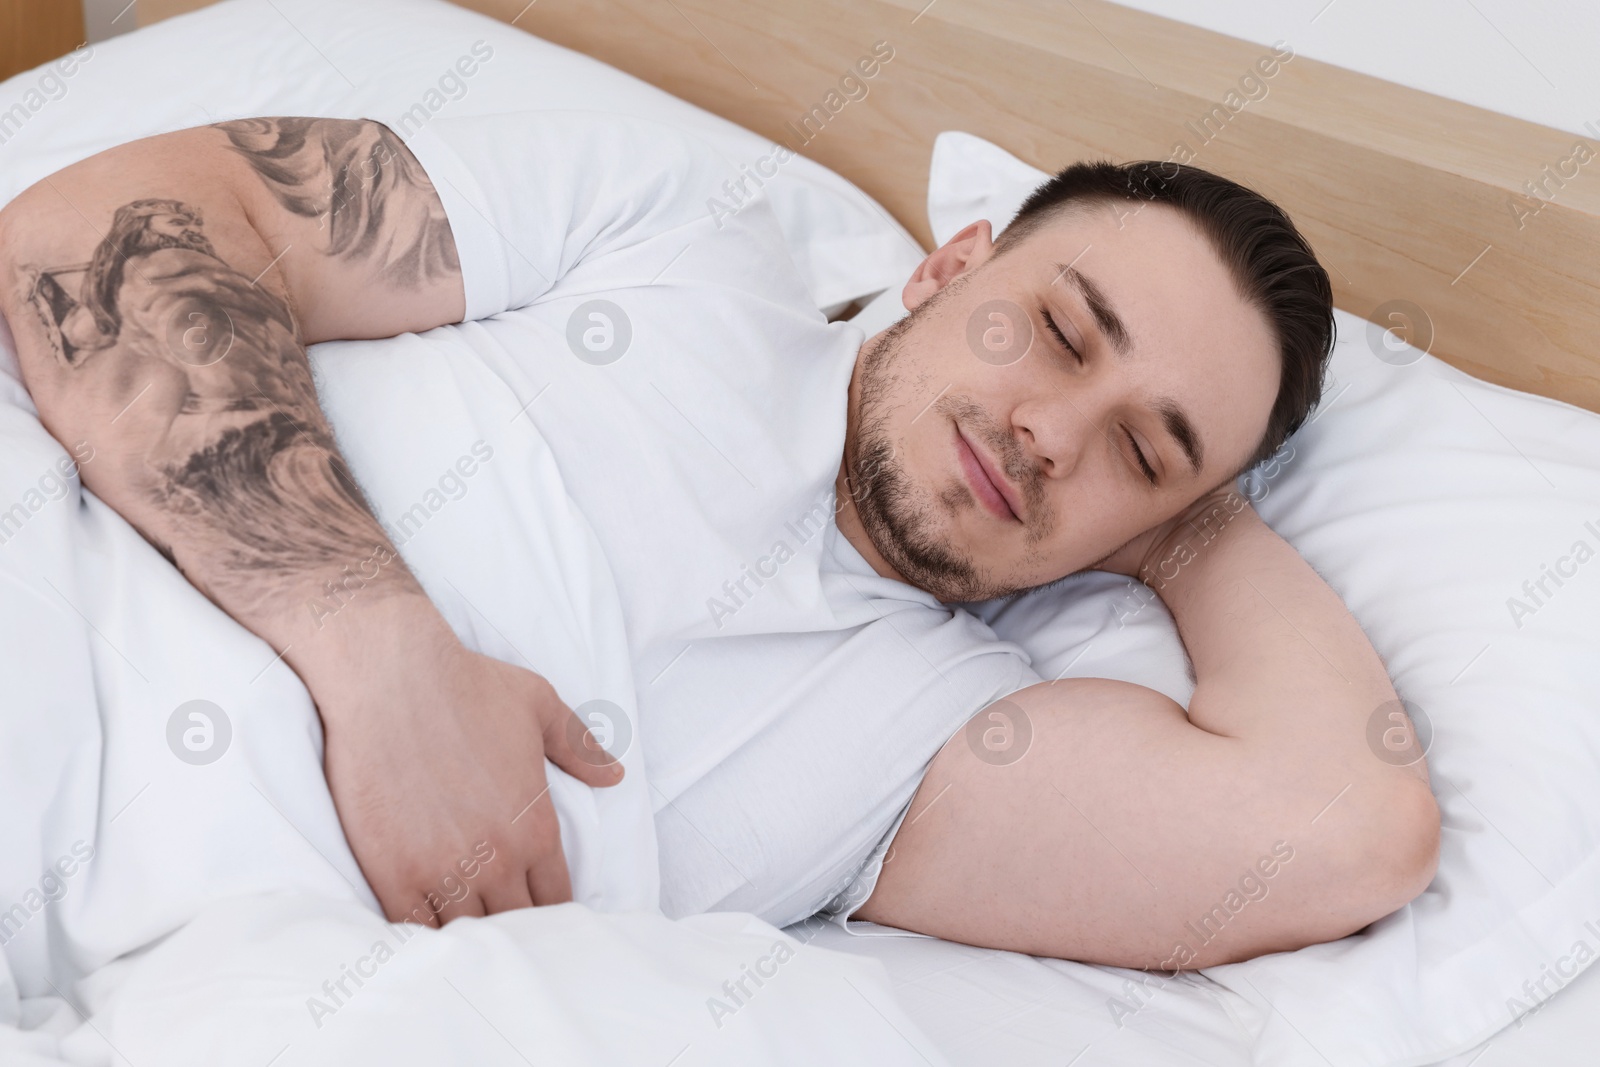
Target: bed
1404, 194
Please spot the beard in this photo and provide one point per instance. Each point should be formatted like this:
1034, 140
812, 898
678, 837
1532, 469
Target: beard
900, 519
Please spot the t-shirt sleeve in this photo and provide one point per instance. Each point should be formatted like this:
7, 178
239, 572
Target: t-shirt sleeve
531, 195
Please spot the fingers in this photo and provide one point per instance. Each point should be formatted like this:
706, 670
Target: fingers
548, 880
447, 909
513, 891
469, 886
506, 894
546, 863
572, 746
405, 907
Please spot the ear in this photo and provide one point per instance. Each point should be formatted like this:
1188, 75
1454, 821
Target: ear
966, 251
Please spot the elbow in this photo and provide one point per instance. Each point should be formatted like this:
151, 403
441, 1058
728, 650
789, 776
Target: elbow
1389, 855
1419, 861
1409, 849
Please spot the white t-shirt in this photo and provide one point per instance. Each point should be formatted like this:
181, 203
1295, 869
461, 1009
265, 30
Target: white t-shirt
789, 697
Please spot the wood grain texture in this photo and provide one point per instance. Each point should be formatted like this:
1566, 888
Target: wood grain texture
1406, 196
151, 11
36, 31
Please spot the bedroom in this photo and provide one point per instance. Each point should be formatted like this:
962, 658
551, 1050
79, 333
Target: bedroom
1424, 526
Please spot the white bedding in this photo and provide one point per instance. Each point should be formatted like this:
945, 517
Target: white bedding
296, 979
982, 1007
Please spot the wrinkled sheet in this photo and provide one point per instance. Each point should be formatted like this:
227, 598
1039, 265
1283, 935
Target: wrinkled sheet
293, 979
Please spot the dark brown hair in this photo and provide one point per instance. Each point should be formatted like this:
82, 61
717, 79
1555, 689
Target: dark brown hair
1270, 261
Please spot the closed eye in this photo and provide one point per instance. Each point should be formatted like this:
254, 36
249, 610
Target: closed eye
1144, 464
1061, 338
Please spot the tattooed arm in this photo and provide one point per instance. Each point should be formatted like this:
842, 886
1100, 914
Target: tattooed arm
161, 295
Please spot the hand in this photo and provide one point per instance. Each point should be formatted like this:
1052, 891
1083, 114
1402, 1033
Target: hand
1143, 556
435, 758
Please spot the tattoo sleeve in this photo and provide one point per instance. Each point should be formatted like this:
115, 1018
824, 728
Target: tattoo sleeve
350, 175
172, 343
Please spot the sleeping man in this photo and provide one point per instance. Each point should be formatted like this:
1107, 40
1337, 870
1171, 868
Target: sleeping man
794, 517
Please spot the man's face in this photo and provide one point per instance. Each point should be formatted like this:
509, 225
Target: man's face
984, 458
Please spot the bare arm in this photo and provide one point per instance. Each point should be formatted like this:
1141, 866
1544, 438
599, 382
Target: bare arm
161, 294
1132, 834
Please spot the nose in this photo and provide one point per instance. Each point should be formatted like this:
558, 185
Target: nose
1056, 431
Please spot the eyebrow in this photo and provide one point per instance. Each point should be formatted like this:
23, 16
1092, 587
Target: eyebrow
1182, 430
1108, 320
1173, 418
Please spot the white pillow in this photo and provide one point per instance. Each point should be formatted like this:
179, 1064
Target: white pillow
971, 179
403, 62
1426, 498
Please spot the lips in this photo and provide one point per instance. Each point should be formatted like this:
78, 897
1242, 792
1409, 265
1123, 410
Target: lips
986, 481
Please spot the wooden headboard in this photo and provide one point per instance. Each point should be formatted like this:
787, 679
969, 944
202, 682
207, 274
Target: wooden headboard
1473, 234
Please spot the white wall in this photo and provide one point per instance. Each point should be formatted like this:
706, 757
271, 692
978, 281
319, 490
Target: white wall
1535, 59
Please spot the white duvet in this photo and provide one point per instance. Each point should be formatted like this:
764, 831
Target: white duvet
295, 979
